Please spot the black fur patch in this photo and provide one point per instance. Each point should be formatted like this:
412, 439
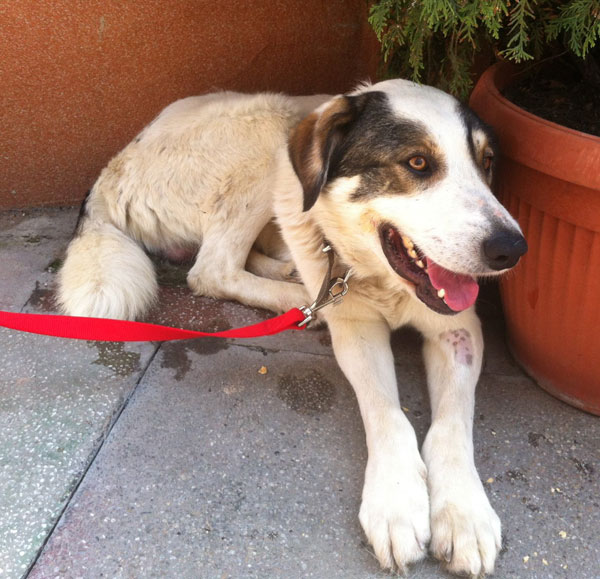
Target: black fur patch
378, 146
82, 214
128, 215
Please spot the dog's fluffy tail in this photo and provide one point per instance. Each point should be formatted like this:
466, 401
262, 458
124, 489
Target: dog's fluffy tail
105, 274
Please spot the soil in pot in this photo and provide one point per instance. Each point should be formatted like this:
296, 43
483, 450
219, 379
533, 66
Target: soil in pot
563, 92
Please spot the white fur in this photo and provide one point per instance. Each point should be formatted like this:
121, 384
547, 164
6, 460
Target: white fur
106, 274
212, 172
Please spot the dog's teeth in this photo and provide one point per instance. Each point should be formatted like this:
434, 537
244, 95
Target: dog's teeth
420, 264
441, 293
412, 253
407, 242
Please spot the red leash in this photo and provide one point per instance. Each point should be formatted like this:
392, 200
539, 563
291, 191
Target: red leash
106, 330
101, 329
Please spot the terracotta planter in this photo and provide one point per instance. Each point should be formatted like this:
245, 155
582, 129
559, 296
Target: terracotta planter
550, 181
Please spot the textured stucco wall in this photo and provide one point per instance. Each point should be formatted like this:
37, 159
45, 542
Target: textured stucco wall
80, 78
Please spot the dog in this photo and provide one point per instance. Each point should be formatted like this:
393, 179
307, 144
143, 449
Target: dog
396, 178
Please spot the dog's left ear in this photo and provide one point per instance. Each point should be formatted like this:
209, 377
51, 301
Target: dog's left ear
316, 140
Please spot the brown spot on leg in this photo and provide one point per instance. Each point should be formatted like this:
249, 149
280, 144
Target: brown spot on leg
461, 345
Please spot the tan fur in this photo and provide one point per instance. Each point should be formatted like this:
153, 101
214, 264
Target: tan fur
213, 172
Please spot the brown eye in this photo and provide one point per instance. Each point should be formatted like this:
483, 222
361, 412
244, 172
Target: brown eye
488, 158
418, 163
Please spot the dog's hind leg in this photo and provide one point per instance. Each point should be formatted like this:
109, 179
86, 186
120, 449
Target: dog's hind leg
264, 266
219, 271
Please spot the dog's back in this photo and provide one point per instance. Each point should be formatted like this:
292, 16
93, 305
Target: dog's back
177, 183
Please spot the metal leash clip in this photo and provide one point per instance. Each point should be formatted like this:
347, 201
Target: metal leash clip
332, 291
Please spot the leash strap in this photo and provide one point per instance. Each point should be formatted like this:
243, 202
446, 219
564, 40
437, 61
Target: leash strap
106, 330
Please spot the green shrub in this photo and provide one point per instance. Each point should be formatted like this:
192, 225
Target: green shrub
436, 41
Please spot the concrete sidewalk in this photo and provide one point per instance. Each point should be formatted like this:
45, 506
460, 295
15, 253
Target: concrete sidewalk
183, 460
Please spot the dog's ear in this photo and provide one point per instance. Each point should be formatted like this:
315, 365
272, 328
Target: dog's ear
316, 140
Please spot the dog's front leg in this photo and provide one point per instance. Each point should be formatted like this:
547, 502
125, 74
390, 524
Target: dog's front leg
395, 506
465, 530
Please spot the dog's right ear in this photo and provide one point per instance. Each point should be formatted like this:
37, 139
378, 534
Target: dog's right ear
317, 139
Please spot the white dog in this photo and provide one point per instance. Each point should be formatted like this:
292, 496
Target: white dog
395, 177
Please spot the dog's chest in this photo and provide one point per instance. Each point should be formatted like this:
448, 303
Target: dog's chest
391, 302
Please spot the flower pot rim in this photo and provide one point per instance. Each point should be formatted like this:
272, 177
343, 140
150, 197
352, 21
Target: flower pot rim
578, 153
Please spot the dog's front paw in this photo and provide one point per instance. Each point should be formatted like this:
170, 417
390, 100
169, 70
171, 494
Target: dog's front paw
290, 273
395, 512
465, 530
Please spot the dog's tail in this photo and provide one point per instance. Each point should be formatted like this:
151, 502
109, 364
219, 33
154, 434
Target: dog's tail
105, 273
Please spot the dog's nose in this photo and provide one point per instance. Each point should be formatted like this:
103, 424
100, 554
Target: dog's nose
503, 249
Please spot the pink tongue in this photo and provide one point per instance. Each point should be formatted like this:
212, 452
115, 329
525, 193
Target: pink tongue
461, 290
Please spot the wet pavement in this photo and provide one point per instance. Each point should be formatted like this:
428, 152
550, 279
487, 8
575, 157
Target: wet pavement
229, 458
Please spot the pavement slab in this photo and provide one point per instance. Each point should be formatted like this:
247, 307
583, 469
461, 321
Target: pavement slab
31, 243
224, 458
225, 472
259, 474
58, 399
57, 402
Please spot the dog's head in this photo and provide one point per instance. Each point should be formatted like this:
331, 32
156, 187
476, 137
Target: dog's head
398, 177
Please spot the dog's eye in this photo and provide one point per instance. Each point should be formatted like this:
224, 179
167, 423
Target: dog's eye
418, 163
488, 159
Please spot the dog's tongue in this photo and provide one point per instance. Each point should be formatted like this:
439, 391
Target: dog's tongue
461, 290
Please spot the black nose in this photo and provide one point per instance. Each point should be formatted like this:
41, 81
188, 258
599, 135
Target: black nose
503, 249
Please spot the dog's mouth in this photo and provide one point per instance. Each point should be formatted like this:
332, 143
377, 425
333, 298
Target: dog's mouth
443, 291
